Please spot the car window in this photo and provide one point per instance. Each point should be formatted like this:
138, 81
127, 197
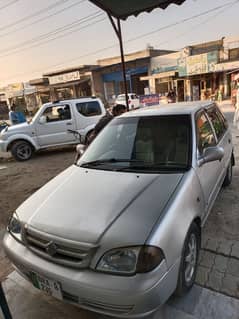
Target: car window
205, 136
159, 142
218, 123
57, 113
132, 97
89, 108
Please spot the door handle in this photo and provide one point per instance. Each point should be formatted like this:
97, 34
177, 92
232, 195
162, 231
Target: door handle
69, 123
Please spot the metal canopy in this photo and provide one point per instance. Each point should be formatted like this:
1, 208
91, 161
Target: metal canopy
122, 9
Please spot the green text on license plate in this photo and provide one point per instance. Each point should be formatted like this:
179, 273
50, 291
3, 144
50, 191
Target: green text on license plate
51, 287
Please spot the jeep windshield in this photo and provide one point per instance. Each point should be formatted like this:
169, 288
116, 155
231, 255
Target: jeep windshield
151, 144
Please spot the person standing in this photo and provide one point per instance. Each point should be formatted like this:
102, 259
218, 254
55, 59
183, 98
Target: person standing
13, 116
117, 110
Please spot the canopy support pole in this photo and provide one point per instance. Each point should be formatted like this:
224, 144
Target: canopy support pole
119, 35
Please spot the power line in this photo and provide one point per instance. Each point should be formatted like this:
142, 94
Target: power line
50, 40
55, 31
129, 40
41, 19
39, 12
8, 4
200, 23
184, 20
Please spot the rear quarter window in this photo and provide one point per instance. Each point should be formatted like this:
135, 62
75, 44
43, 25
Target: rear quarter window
88, 109
220, 125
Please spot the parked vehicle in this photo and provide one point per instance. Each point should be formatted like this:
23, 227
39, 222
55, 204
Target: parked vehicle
49, 127
119, 232
132, 98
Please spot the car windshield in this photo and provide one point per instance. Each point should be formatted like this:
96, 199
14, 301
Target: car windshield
156, 143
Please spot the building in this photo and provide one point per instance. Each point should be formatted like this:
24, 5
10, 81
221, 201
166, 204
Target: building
108, 76
163, 76
22, 95
42, 90
71, 82
196, 72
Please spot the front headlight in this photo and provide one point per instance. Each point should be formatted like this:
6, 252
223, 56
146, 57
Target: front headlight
15, 227
131, 260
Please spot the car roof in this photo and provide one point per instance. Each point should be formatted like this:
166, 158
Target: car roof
128, 94
81, 99
170, 109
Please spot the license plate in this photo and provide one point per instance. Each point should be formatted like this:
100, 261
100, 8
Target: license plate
51, 287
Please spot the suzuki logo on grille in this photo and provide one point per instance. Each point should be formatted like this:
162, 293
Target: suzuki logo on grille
51, 249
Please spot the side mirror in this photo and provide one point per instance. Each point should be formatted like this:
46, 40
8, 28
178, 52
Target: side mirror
211, 154
42, 119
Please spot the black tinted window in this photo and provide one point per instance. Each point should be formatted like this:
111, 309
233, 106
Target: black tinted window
89, 108
205, 134
218, 123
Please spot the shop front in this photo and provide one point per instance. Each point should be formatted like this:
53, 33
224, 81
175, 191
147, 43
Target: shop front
114, 85
70, 83
199, 72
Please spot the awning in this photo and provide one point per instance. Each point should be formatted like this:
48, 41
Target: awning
158, 75
122, 9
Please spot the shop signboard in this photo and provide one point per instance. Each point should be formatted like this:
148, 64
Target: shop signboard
149, 99
65, 77
197, 64
165, 63
226, 66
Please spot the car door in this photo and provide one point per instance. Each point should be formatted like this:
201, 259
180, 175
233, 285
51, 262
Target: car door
209, 173
53, 130
224, 138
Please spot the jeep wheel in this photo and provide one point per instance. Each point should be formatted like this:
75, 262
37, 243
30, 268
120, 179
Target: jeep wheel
22, 150
188, 267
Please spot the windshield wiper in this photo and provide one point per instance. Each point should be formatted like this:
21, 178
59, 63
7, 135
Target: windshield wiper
109, 160
162, 166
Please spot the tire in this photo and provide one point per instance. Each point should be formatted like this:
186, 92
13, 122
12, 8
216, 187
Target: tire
228, 178
188, 266
22, 150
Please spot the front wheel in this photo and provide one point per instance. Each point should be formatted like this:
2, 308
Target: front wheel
228, 178
22, 150
188, 267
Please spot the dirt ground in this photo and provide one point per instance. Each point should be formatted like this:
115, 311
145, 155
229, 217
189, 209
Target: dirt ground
19, 180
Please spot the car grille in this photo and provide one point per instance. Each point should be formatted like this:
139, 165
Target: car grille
58, 250
96, 305
117, 309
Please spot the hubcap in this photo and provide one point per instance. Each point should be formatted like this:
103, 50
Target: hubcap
191, 258
24, 151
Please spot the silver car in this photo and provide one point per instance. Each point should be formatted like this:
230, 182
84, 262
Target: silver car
119, 232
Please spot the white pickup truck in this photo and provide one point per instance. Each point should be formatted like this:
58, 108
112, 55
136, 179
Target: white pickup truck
50, 127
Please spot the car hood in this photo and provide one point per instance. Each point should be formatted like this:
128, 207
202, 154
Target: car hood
18, 128
83, 204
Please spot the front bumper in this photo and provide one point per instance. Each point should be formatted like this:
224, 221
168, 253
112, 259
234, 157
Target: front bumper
124, 297
3, 146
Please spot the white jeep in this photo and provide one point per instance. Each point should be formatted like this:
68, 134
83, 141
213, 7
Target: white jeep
51, 126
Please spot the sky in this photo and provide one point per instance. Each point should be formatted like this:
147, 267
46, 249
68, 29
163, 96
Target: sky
41, 36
